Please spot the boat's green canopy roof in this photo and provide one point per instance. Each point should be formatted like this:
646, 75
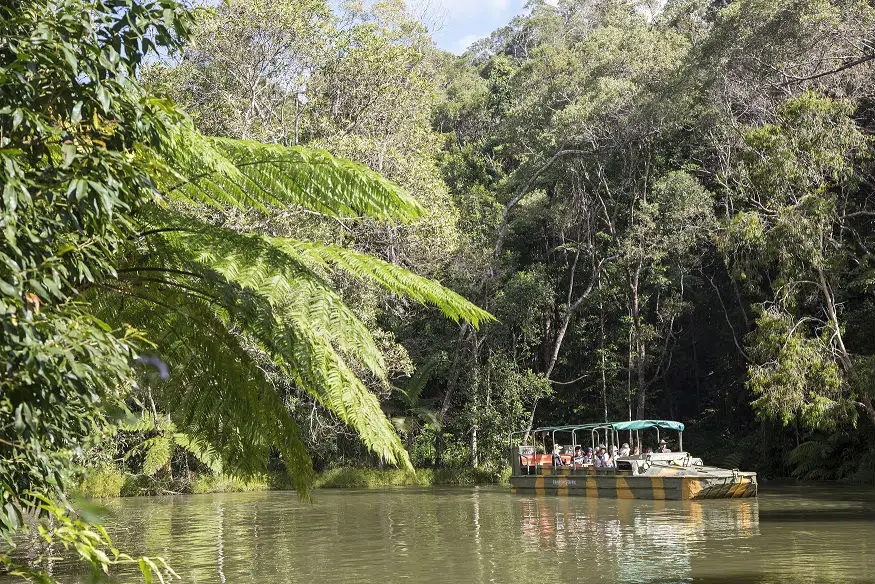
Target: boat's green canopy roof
619, 426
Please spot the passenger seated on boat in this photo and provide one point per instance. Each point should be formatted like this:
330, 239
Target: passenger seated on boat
557, 460
577, 459
637, 450
624, 449
649, 451
587, 456
663, 447
603, 459
599, 459
611, 457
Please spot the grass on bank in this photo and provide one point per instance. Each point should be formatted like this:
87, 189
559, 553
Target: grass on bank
363, 478
111, 482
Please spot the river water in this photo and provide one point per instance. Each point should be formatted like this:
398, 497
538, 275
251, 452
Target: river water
478, 535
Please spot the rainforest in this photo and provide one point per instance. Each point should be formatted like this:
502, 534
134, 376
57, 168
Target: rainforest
284, 244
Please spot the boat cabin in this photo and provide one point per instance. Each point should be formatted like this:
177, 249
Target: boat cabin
543, 462
535, 452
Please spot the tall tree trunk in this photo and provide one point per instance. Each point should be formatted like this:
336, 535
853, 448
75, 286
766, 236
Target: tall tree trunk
641, 365
455, 371
452, 384
868, 407
602, 351
640, 345
847, 364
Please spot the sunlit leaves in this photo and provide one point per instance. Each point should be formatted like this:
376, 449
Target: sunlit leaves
222, 172
59, 528
795, 373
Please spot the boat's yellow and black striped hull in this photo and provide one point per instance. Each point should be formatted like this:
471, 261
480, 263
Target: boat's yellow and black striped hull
669, 484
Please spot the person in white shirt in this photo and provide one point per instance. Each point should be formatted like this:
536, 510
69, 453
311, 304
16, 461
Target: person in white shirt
624, 449
557, 460
601, 457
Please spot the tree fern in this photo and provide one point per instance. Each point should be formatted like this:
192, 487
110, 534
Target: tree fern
229, 310
158, 449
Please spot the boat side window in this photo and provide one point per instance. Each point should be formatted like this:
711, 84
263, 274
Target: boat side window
625, 466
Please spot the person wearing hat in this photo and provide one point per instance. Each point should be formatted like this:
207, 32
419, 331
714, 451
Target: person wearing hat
624, 449
557, 460
601, 457
663, 446
587, 456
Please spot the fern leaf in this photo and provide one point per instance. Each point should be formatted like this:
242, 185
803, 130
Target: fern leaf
159, 451
200, 450
389, 276
224, 172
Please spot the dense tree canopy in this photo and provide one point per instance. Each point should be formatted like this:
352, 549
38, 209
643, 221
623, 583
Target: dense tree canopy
668, 209
131, 238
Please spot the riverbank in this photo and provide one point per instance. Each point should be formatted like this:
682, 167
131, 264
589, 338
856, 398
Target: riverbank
109, 482
361, 478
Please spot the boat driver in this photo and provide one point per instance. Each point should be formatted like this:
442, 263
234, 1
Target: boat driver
663, 446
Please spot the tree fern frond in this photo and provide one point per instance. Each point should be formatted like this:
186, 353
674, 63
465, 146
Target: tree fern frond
270, 292
235, 409
303, 351
391, 277
324, 374
139, 423
217, 392
158, 454
205, 454
289, 286
225, 298
240, 173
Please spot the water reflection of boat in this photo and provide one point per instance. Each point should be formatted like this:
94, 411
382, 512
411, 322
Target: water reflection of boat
649, 475
605, 536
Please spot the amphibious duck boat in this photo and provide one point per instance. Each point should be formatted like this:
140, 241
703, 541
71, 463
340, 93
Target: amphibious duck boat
644, 475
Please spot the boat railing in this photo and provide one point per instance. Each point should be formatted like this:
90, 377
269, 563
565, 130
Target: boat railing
530, 462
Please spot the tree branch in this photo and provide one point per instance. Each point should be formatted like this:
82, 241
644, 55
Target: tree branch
844, 67
503, 228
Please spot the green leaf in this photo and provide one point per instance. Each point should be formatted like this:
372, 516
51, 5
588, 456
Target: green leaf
76, 115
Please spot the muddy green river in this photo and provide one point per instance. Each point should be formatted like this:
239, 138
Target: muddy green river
478, 535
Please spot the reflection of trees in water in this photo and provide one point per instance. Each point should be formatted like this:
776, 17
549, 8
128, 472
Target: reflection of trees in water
482, 536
